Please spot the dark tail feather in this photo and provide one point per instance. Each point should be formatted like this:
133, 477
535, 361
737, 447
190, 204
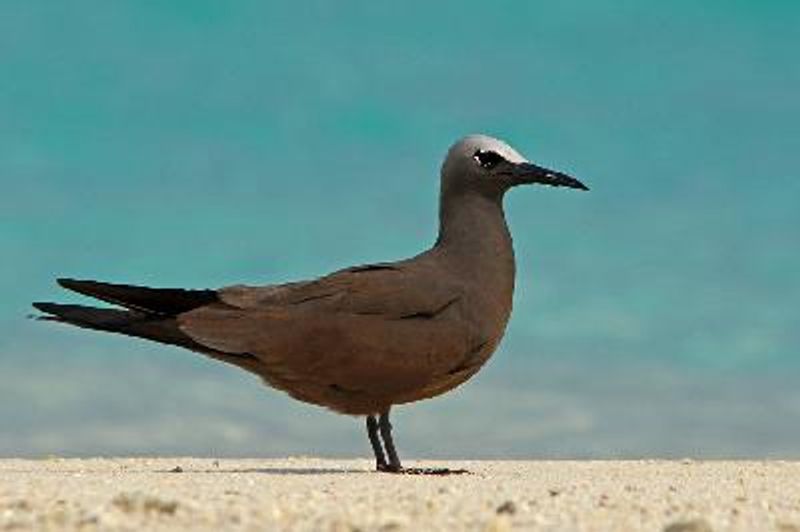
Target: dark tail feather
139, 324
131, 323
90, 317
162, 301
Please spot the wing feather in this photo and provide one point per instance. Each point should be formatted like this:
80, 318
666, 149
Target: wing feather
377, 330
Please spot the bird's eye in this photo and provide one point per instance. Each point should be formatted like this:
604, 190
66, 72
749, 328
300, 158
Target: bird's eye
487, 159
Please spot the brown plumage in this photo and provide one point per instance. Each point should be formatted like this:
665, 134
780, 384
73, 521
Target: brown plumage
362, 339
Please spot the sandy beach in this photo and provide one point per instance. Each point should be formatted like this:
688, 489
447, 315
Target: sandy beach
330, 494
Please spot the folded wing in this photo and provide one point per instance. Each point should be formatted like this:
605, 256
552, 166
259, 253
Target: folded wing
375, 330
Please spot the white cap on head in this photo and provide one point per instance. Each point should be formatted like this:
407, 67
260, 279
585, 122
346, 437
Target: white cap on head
470, 144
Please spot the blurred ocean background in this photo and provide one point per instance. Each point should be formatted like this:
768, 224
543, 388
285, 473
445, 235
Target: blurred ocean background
200, 144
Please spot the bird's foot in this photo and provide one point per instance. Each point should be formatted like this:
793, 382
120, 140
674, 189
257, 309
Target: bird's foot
435, 471
383, 467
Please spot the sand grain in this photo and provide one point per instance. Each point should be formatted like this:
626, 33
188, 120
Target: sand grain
315, 494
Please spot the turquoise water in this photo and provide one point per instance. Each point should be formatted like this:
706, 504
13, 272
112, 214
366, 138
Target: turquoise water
208, 143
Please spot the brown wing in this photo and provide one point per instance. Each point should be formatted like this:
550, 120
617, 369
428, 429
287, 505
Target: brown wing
381, 330
392, 290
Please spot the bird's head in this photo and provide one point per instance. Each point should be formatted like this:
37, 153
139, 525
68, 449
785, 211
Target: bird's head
488, 165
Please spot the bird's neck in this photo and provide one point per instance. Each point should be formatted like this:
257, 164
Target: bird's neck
475, 240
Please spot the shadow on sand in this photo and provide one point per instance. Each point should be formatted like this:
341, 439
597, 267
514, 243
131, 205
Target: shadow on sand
268, 471
314, 471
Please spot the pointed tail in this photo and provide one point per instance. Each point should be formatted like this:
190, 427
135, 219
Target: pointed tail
131, 323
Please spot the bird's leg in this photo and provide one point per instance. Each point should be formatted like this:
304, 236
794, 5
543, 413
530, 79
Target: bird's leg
374, 440
394, 466
385, 426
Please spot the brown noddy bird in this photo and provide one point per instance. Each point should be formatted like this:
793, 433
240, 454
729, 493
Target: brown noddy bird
362, 339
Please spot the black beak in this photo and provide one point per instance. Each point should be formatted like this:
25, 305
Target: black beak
526, 173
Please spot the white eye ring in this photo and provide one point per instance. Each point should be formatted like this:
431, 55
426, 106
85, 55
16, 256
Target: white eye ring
487, 158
